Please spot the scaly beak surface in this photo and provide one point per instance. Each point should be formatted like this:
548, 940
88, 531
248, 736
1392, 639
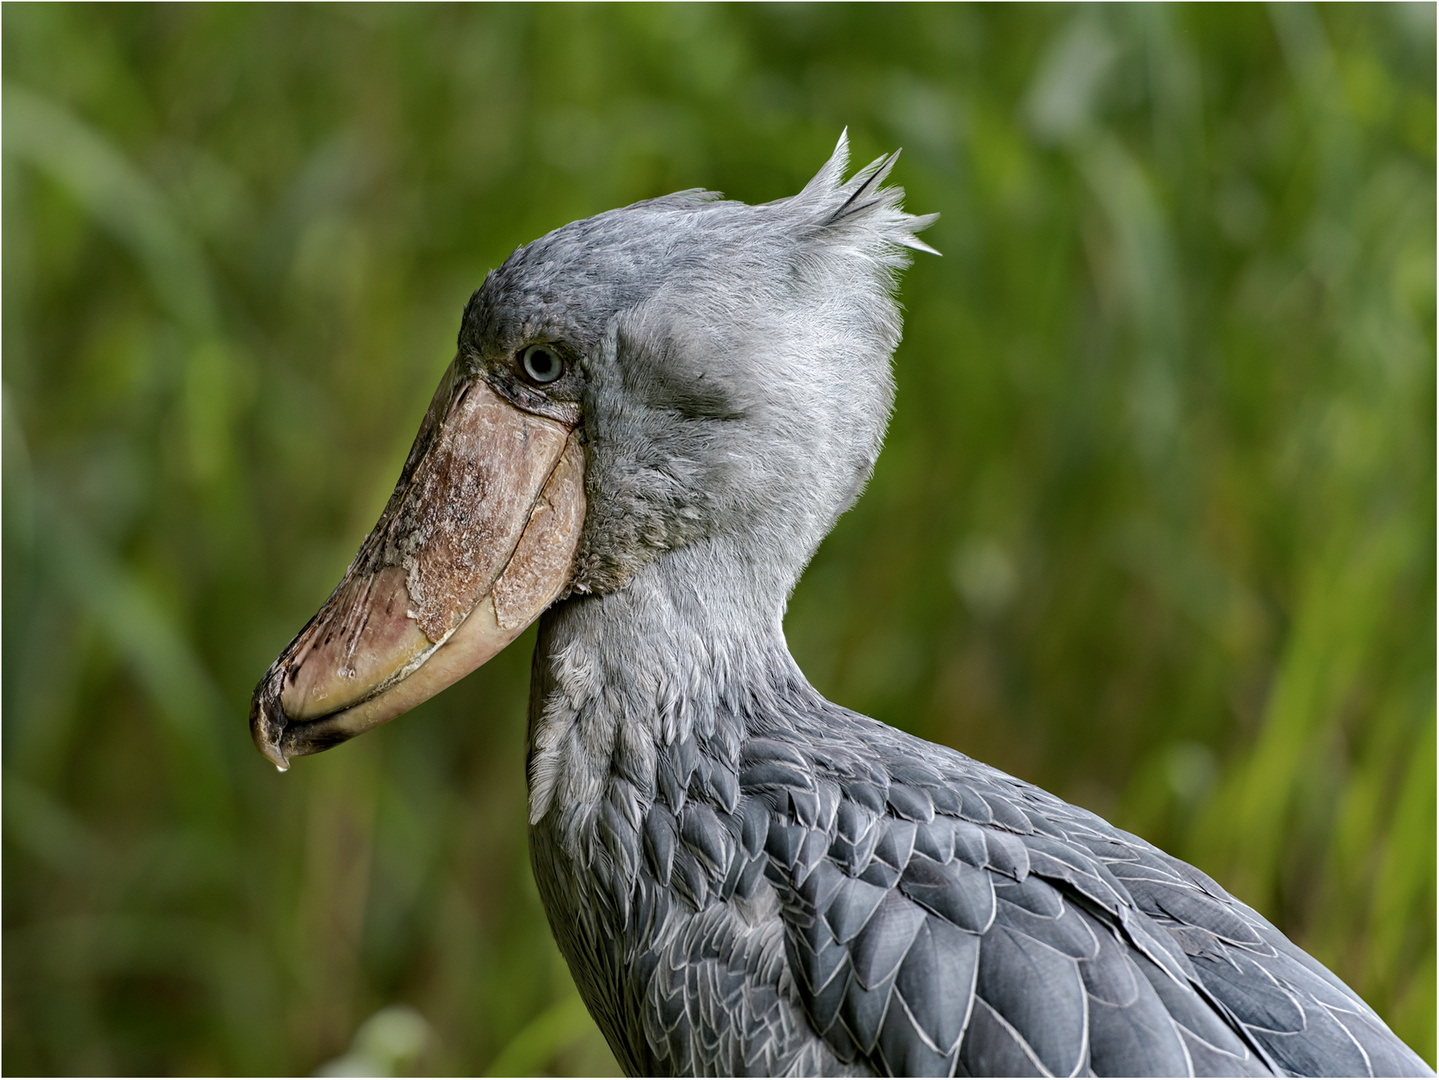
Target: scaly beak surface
478, 538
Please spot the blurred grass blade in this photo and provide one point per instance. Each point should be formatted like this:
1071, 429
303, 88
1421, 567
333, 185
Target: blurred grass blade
535, 1044
54, 140
1405, 879
144, 633
49, 831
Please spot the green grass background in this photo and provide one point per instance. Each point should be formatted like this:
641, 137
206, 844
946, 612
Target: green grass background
1155, 526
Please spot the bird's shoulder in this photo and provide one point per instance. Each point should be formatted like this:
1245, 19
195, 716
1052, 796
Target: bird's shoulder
929, 913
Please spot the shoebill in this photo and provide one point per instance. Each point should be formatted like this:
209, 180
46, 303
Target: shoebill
652, 419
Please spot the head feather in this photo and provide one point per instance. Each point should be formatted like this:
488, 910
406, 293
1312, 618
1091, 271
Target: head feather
862, 207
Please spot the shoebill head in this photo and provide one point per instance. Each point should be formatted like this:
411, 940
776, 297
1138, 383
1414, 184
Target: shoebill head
683, 371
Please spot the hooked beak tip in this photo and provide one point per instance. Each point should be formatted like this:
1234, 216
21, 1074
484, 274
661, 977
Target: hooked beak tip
267, 723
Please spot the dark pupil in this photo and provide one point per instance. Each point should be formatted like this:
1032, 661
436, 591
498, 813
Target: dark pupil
541, 364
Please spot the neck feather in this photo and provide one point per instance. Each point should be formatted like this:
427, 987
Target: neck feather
690, 651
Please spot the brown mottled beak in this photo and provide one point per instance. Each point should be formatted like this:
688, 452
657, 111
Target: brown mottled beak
478, 538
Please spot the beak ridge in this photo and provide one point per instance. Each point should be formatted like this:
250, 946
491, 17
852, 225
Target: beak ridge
478, 538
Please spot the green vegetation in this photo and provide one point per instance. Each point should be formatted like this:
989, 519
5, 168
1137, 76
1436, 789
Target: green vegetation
1155, 527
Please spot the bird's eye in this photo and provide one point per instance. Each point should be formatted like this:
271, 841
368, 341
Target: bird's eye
541, 364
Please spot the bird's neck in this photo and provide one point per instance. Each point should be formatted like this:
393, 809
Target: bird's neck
691, 650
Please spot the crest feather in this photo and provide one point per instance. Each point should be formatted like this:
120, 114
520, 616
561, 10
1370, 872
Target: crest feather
831, 174
863, 203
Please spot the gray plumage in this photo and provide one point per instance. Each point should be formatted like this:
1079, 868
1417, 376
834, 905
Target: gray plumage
748, 879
